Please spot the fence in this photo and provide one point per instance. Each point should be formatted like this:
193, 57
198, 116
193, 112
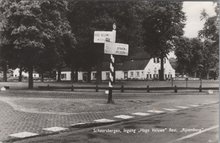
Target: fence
122, 88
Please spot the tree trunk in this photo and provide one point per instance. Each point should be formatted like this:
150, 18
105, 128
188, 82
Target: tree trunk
195, 74
5, 69
30, 78
99, 73
59, 75
72, 74
207, 75
76, 75
89, 76
20, 75
161, 71
42, 77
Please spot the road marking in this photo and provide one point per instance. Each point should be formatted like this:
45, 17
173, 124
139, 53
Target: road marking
55, 129
182, 107
194, 105
197, 133
210, 92
23, 135
141, 114
155, 111
123, 116
104, 120
169, 109
77, 124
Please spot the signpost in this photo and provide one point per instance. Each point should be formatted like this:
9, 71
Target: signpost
116, 48
112, 48
102, 36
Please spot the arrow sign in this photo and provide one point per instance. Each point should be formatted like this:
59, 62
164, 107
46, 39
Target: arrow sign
116, 49
102, 36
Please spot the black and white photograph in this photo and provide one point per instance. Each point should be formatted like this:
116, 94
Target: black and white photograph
109, 71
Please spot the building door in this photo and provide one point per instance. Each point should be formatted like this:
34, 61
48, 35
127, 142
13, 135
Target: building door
85, 76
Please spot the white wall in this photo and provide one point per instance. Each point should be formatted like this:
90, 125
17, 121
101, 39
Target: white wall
119, 75
104, 76
67, 75
24, 74
137, 74
152, 68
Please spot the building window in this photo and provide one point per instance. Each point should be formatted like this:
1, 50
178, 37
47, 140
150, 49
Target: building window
154, 60
138, 74
132, 74
148, 76
63, 76
94, 75
158, 60
107, 75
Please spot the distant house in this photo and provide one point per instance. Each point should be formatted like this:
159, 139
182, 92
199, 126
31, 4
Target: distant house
133, 69
24, 74
139, 66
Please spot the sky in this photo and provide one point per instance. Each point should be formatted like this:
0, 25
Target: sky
193, 13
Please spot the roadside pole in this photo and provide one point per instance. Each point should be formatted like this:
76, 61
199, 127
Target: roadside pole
111, 48
112, 68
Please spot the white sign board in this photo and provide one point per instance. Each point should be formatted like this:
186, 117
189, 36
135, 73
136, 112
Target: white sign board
116, 48
102, 36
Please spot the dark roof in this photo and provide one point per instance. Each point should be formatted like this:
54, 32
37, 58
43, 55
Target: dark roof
127, 65
137, 61
66, 69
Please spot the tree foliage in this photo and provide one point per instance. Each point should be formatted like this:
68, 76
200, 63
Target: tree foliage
34, 32
210, 35
89, 16
163, 22
189, 54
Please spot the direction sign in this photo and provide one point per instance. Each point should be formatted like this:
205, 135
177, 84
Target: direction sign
116, 49
102, 36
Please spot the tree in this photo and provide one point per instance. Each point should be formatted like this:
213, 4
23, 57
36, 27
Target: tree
34, 31
58, 39
23, 33
210, 35
163, 22
89, 16
189, 54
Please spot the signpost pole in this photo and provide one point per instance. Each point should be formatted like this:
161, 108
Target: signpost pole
112, 69
112, 48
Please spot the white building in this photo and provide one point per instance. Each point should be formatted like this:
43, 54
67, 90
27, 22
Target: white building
147, 69
24, 74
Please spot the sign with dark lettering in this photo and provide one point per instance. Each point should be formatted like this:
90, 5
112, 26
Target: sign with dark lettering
116, 49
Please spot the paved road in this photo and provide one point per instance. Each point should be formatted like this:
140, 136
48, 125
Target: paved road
192, 125
17, 119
